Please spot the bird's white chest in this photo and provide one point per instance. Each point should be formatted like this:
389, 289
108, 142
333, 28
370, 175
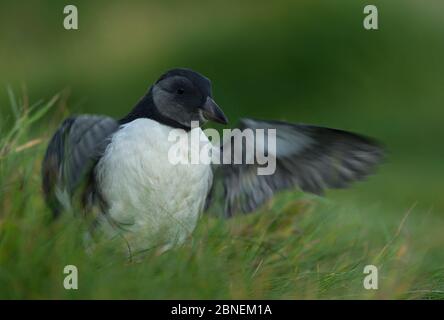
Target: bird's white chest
150, 195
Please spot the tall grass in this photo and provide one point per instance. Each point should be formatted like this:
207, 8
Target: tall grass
297, 247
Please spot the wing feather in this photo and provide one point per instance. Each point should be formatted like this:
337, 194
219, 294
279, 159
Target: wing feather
308, 157
72, 153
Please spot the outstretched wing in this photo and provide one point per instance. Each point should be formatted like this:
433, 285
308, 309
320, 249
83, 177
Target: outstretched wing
72, 152
309, 157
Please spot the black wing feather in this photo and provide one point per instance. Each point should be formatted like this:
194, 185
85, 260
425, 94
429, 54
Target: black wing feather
72, 153
309, 157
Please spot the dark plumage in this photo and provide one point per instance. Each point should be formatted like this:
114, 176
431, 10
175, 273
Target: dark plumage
72, 153
309, 157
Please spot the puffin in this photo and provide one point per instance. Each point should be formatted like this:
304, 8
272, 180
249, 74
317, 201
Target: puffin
120, 171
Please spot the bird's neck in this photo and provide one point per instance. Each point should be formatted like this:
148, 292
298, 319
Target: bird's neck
146, 108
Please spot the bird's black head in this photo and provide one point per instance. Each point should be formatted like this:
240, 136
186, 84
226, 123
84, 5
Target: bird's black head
179, 97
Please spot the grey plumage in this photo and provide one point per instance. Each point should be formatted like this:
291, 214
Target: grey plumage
309, 157
72, 152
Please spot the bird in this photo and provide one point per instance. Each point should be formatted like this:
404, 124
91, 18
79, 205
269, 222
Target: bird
119, 169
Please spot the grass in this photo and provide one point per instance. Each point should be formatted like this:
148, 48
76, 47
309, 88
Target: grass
298, 247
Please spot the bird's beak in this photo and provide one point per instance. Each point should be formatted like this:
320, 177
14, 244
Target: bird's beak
211, 111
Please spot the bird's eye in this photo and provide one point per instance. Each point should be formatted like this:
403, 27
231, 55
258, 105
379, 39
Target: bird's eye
180, 91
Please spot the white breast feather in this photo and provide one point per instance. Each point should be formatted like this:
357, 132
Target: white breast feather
151, 200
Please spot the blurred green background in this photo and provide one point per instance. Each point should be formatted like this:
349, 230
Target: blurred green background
302, 61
